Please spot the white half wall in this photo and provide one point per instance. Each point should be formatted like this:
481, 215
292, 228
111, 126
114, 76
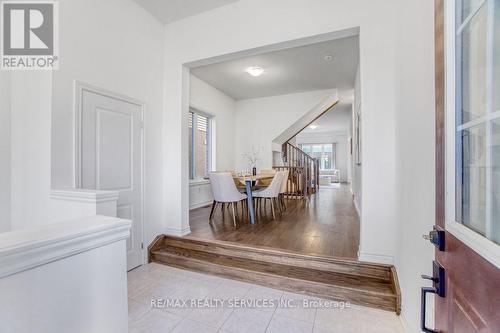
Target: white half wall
5, 85
100, 46
260, 120
67, 277
229, 29
342, 146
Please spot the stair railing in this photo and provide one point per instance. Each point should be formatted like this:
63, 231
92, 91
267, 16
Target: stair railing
303, 170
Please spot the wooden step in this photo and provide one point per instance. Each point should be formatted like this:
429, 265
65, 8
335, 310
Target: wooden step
347, 280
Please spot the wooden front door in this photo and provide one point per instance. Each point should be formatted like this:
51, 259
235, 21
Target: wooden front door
467, 46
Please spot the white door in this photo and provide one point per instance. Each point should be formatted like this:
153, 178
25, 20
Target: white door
111, 158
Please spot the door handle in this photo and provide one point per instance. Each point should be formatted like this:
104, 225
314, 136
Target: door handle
423, 306
438, 281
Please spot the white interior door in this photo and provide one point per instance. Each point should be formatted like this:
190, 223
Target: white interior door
111, 158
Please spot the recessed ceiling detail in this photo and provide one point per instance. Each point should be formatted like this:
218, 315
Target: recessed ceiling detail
287, 71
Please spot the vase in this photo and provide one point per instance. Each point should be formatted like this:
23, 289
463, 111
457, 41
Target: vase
254, 171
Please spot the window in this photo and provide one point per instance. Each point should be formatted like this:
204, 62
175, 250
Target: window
200, 147
324, 152
475, 118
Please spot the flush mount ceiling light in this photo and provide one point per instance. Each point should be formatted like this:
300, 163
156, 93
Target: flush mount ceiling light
328, 57
255, 70
313, 126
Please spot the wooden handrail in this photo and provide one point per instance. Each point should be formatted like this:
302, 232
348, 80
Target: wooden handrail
300, 163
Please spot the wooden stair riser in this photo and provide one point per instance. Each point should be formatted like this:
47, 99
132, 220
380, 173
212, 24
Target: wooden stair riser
370, 299
373, 285
284, 270
382, 272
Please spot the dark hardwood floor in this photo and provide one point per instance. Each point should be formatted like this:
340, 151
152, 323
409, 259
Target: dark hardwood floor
327, 225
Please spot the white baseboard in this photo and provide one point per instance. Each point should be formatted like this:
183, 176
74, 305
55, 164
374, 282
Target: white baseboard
177, 232
405, 324
201, 204
376, 258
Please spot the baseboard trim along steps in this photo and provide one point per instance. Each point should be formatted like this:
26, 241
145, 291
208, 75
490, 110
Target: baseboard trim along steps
362, 283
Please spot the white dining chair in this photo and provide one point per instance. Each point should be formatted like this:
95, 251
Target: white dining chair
272, 191
283, 189
224, 191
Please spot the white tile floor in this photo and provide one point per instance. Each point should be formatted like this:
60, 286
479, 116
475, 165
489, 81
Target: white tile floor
155, 281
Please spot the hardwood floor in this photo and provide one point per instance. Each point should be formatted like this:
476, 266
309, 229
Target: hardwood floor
325, 225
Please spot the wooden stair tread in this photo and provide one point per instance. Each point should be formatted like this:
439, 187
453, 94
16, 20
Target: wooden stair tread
362, 283
366, 284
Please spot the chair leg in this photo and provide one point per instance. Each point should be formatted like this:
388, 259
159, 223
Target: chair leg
272, 208
234, 216
212, 211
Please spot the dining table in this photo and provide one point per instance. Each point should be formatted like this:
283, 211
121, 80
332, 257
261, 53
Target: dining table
250, 181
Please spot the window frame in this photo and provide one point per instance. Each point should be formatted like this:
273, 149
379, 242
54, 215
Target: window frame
334, 154
209, 150
477, 242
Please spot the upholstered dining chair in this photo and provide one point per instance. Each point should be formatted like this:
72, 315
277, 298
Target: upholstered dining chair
272, 191
239, 185
283, 189
224, 191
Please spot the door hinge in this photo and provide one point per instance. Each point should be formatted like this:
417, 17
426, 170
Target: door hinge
142, 246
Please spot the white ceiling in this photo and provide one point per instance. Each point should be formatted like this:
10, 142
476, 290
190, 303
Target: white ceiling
338, 119
287, 71
168, 11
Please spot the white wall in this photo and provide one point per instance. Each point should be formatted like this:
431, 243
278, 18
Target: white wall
356, 173
222, 107
31, 105
415, 151
230, 29
260, 120
5, 151
118, 46
342, 143
208, 99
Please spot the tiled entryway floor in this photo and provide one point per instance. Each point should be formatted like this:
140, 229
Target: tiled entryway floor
274, 310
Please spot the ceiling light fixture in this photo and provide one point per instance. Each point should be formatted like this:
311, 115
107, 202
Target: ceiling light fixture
255, 71
328, 57
313, 126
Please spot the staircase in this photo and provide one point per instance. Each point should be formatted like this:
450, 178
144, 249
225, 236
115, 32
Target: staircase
303, 175
361, 283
